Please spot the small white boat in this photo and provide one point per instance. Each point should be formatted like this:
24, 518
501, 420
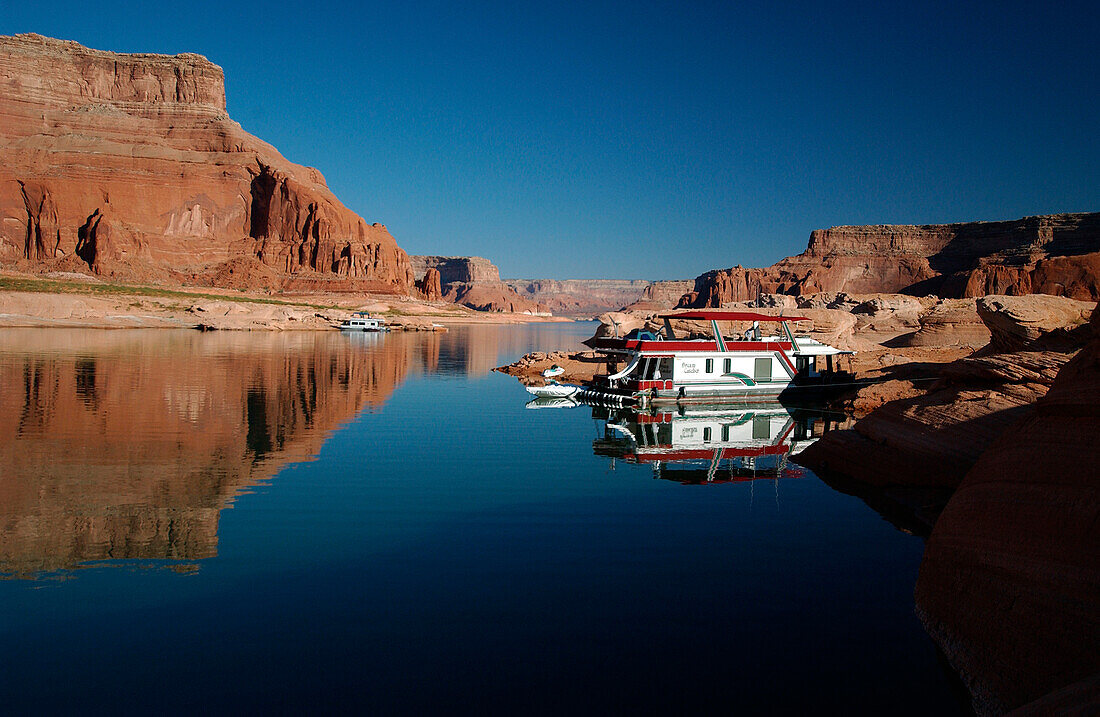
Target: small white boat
553, 371
363, 321
554, 390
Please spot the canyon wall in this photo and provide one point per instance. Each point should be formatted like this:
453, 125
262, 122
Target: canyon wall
471, 281
127, 166
1055, 254
589, 297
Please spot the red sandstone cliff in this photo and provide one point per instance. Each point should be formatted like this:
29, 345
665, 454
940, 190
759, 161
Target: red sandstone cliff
1057, 254
471, 281
128, 165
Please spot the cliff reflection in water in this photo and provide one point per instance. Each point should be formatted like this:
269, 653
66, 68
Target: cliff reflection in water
701, 444
126, 445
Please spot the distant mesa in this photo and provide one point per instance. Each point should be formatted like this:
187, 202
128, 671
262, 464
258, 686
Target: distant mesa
591, 297
1056, 254
127, 165
471, 281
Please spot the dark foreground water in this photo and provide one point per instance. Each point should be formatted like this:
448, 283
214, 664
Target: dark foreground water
280, 522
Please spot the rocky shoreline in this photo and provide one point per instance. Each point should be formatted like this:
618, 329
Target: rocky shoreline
77, 301
978, 432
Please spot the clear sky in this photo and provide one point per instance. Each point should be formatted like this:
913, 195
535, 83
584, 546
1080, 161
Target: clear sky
646, 139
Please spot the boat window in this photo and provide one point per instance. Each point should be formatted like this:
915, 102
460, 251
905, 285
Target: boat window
710, 365
761, 427
727, 365
763, 369
666, 367
725, 432
706, 434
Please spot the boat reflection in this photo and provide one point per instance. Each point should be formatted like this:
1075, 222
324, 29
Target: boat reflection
703, 444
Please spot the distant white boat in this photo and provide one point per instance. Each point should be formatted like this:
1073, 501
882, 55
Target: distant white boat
362, 321
553, 371
554, 390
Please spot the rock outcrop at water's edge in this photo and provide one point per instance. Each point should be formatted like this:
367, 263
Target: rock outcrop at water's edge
127, 166
1010, 581
1055, 254
934, 437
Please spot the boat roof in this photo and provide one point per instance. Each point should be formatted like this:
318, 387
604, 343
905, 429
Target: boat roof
720, 315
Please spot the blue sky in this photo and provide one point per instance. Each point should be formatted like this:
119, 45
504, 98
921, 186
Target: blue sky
647, 139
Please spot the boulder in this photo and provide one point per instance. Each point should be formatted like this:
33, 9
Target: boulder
1016, 322
951, 322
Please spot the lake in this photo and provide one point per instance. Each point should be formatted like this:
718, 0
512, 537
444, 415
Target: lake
300, 520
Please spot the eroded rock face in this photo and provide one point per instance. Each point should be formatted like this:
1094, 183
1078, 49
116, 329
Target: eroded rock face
1010, 581
127, 165
474, 282
935, 437
590, 297
430, 286
457, 269
1018, 321
1056, 254
951, 322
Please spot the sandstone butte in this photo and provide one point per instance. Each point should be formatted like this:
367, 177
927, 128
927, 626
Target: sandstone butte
1056, 254
471, 281
128, 165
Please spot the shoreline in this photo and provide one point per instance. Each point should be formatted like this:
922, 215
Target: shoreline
80, 302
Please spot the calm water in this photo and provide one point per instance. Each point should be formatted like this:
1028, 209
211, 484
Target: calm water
290, 521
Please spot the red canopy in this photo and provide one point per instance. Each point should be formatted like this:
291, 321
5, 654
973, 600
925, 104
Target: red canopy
719, 315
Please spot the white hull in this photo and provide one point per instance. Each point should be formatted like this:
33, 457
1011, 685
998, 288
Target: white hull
554, 390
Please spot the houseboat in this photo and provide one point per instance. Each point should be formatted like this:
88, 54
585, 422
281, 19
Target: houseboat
661, 368
363, 321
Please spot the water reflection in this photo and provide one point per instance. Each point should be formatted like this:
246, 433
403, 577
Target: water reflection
126, 445
702, 444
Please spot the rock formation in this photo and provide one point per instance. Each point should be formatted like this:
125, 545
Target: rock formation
935, 437
127, 165
1010, 581
474, 282
430, 285
589, 297
1055, 254
457, 269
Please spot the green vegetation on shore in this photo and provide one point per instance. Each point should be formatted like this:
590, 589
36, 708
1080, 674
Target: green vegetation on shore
57, 286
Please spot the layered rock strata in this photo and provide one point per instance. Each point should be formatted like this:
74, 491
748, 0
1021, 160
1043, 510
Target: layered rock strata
127, 166
934, 437
471, 281
1010, 581
589, 297
1054, 254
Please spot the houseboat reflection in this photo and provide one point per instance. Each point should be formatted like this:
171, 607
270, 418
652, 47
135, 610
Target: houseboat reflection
699, 444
